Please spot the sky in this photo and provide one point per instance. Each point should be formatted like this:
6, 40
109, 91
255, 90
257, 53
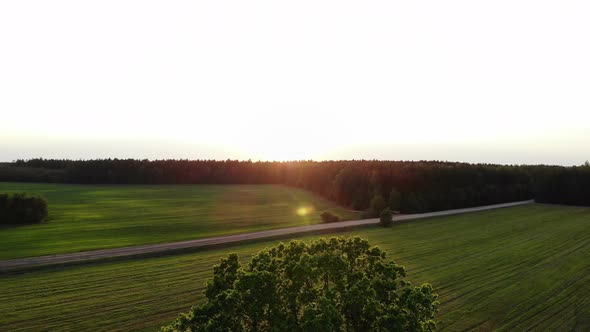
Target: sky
478, 81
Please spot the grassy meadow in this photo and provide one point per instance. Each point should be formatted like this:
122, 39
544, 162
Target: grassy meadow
520, 268
86, 217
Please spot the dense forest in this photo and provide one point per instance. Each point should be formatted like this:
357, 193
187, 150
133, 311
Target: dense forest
404, 186
563, 185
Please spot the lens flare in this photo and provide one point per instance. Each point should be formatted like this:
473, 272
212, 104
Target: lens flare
304, 210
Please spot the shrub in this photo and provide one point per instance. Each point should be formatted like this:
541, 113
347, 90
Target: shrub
332, 284
386, 218
377, 205
328, 217
20, 209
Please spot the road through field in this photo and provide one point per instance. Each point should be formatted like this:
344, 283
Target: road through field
77, 257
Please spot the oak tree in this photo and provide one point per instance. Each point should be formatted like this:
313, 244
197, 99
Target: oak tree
334, 284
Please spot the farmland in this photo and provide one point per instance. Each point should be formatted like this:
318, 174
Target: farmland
86, 217
516, 268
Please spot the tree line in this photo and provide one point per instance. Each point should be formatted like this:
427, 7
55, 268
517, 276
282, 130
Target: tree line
370, 185
563, 185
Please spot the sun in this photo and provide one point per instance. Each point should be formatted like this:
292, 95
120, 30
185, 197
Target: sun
283, 144
287, 151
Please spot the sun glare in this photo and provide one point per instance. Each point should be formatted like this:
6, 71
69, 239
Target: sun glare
304, 210
297, 148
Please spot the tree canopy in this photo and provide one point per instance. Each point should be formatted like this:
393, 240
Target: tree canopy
334, 284
21, 208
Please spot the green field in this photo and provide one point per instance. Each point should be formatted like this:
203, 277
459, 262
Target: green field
518, 268
86, 217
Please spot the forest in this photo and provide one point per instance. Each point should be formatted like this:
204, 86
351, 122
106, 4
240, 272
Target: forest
405, 186
563, 185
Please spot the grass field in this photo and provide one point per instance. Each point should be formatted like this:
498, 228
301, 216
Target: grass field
85, 217
512, 269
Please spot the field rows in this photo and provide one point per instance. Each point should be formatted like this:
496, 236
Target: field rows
511, 269
83, 217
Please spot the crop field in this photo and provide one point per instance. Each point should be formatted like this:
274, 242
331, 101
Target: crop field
86, 217
517, 268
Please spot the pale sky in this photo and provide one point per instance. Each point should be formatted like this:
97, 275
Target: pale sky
477, 81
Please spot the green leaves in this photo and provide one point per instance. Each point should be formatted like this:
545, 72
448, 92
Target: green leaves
335, 284
322, 315
224, 276
22, 209
386, 218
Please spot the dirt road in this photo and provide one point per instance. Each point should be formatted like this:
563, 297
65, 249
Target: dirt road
144, 250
